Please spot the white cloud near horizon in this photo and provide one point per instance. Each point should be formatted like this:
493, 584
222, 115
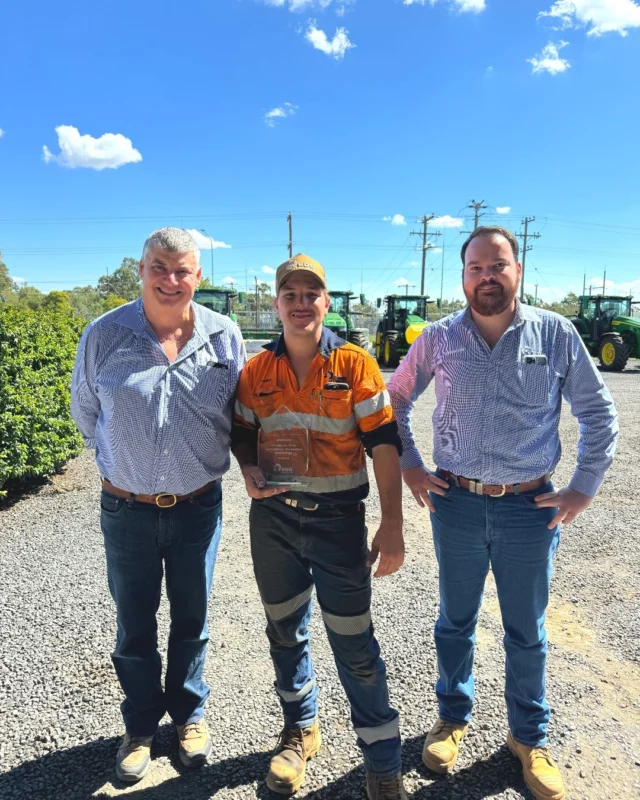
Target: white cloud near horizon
269, 270
1, 133
473, 6
396, 219
109, 151
229, 281
549, 59
503, 209
205, 243
401, 282
598, 16
446, 222
273, 117
308, 5
334, 48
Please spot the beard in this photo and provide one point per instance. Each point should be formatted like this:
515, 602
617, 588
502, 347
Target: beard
493, 302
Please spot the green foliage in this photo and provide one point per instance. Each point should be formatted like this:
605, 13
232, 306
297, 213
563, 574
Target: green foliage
57, 302
124, 282
37, 351
113, 301
29, 297
86, 302
6, 284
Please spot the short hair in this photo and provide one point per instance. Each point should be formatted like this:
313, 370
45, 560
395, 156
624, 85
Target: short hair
173, 240
492, 230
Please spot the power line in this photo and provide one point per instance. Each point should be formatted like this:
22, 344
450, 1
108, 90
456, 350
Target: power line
525, 248
425, 244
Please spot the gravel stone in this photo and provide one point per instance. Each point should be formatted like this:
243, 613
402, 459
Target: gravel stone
59, 699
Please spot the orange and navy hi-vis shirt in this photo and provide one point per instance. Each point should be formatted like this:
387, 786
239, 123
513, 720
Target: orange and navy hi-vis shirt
343, 424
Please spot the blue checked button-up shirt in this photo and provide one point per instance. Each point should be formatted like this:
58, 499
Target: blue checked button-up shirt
496, 417
157, 426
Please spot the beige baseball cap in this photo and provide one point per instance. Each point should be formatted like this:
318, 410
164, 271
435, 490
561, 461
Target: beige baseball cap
300, 262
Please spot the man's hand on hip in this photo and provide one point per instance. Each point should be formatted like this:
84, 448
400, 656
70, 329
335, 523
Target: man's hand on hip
256, 483
570, 504
388, 543
421, 482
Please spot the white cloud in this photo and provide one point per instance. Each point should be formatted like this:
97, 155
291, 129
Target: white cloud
273, 117
549, 60
435, 249
401, 282
269, 270
474, 6
446, 222
335, 48
503, 209
1, 133
19, 281
598, 16
414, 263
396, 219
308, 5
229, 281
205, 243
109, 151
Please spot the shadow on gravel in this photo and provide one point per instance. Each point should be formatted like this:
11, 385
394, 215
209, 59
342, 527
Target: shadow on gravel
80, 772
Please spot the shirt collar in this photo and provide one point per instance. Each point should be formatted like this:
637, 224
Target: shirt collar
329, 341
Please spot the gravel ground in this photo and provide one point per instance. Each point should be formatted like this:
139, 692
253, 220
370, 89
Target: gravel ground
59, 715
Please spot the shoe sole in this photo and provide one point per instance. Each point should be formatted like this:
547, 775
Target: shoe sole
128, 777
282, 787
534, 792
195, 761
438, 766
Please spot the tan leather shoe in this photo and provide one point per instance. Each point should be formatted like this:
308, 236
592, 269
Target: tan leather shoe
194, 743
541, 774
442, 745
133, 758
386, 788
288, 766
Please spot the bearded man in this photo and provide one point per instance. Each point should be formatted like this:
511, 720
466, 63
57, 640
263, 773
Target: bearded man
501, 369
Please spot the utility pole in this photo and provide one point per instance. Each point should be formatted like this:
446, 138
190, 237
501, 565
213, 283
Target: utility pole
441, 278
525, 248
211, 240
425, 245
477, 207
290, 221
408, 286
535, 302
604, 282
257, 306
584, 284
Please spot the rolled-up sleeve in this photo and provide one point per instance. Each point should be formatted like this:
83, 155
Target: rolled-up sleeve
85, 404
592, 405
407, 384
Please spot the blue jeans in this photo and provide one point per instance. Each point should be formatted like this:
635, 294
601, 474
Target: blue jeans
510, 534
140, 540
292, 550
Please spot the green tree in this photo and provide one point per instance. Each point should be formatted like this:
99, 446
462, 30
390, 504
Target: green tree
86, 302
112, 301
58, 302
6, 283
30, 297
124, 282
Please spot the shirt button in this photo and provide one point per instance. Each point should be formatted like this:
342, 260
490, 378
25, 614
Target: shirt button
162, 477
166, 452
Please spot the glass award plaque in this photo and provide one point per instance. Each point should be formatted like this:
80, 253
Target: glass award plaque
283, 449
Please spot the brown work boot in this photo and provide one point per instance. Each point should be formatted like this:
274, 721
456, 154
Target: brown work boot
288, 766
541, 774
194, 743
386, 788
441, 746
133, 758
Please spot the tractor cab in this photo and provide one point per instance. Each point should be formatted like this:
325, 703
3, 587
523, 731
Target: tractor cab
340, 321
608, 329
219, 300
403, 321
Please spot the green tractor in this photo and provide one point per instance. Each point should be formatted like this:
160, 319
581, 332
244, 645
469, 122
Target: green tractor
402, 323
220, 300
340, 321
609, 330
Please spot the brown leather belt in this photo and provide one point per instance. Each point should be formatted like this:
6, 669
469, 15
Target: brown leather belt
162, 500
477, 487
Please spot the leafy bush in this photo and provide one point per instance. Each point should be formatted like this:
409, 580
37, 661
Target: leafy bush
37, 433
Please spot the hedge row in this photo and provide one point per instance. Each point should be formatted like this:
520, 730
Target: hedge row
37, 434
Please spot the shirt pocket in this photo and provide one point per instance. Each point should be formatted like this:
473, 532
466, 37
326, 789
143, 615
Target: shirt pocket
534, 384
214, 383
269, 402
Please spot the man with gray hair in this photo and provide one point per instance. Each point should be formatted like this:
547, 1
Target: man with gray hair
152, 391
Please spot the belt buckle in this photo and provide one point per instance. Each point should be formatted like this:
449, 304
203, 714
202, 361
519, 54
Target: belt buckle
169, 505
502, 493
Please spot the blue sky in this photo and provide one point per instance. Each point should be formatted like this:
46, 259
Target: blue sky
226, 114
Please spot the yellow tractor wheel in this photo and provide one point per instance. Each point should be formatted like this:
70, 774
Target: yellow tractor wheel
613, 352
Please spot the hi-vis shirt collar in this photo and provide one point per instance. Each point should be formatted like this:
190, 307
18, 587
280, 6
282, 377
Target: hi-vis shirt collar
329, 342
